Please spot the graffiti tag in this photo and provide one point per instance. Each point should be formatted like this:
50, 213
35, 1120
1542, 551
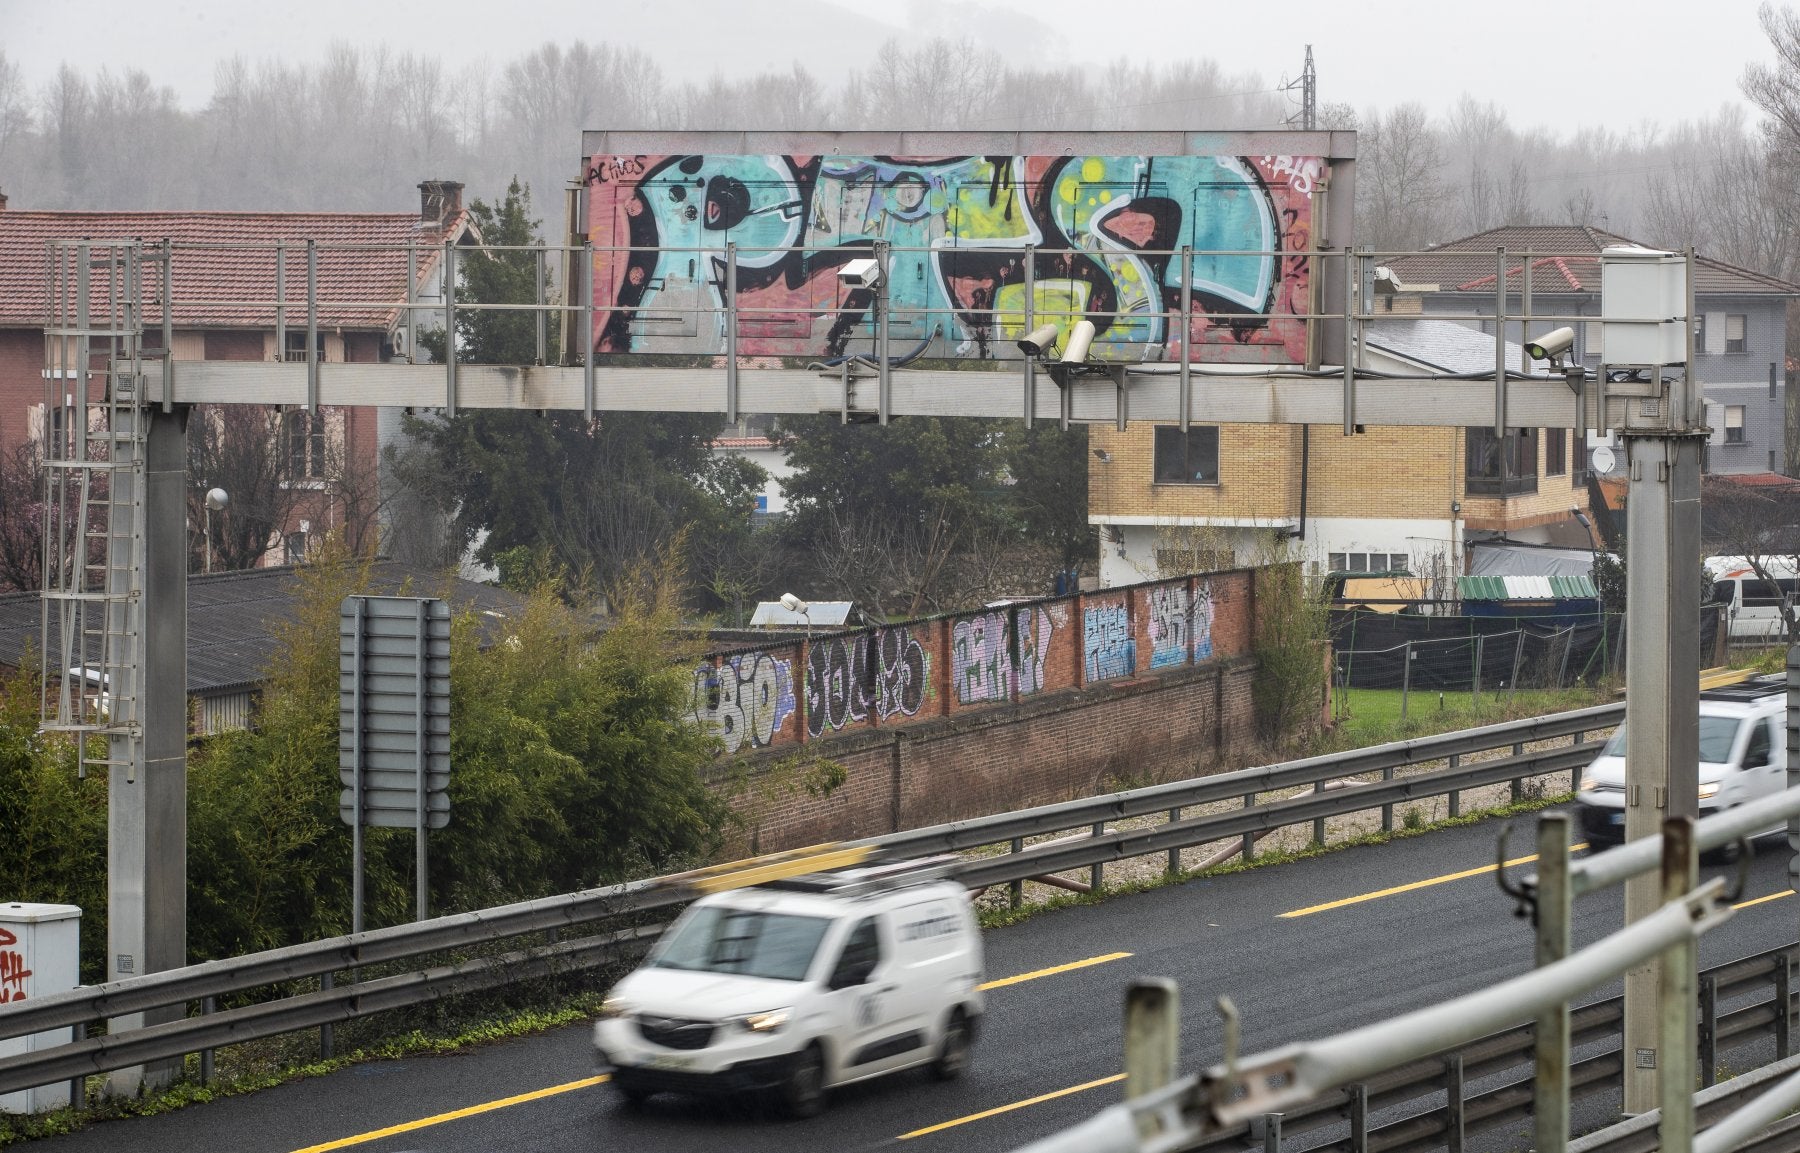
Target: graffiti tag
1108, 649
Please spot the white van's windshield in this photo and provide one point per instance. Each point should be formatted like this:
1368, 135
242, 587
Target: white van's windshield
720, 939
1717, 735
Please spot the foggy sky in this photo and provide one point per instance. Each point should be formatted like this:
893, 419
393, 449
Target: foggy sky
1558, 64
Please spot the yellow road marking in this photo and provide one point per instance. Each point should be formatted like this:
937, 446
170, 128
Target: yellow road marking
1002, 982
998, 1110
1763, 900
1407, 888
453, 1115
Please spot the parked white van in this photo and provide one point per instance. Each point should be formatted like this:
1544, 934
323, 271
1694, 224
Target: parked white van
800, 985
1753, 602
1743, 756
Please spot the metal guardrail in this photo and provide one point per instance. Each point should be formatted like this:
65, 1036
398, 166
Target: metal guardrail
598, 909
1435, 1049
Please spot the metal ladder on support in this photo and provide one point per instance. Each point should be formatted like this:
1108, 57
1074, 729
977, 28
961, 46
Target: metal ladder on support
94, 478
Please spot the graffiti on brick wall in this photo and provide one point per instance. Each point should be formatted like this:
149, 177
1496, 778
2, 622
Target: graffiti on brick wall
983, 649
1105, 230
746, 699
848, 679
1169, 626
1037, 630
1180, 627
1203, 620
1108, 648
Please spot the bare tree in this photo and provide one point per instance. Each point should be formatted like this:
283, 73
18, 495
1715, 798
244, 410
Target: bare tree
22, 517
1401, 172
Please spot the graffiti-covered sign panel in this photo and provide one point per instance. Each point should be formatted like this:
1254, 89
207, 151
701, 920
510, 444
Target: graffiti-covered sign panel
1104, 232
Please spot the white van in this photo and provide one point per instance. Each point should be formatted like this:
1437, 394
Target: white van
1752, 602
1743, 756
800, 985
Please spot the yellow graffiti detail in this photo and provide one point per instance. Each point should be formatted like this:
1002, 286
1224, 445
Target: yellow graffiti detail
1058, 302
1092, 169
1068, 190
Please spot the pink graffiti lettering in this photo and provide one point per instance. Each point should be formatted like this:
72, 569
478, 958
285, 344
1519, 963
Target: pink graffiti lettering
12, 974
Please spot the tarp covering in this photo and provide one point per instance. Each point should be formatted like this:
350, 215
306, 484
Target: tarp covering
1525, 588
1513, 559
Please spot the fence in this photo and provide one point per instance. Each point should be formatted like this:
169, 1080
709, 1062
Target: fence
310, 986
1482, 654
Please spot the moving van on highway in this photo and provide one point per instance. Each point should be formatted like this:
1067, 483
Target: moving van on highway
795, 986
1743, 756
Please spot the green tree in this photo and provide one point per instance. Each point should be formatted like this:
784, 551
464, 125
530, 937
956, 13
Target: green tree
54, 850
573, 763
882, 510
594, 498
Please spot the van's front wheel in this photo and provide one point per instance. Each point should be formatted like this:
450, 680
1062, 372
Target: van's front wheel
953, 1051
803, 1093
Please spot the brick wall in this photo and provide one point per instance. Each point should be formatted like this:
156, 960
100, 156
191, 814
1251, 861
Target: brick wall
959, 716
1112, 736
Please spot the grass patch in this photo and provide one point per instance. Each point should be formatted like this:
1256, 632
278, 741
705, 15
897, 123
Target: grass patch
1372, 716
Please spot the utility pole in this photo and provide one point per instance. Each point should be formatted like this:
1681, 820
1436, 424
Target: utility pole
1664, 436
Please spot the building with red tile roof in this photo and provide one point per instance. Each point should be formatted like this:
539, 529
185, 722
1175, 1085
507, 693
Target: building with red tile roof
231, 273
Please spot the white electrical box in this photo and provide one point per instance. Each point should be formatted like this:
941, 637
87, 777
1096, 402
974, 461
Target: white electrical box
1643, 306
40, 954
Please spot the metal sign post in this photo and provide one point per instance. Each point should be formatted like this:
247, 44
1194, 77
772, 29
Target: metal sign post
393, 725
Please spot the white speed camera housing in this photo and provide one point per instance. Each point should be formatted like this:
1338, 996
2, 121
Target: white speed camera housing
863, 272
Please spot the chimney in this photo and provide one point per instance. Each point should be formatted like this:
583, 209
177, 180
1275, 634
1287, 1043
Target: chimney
439, 201
2, 202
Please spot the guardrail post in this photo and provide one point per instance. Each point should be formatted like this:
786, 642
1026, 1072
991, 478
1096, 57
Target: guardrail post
1268, 1128
1359, 1117
326, 1039
1174, 854
1784, 1012
207, 1005
1319, 822
1709, 1030
1097, 871
1387, 810
78, 1084
1518, 786
1455, 1112
1575, 773
1152, 1035
1455, 796
1550, 1082
1249, 838
1016, 890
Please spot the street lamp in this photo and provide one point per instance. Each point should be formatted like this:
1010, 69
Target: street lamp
216, 499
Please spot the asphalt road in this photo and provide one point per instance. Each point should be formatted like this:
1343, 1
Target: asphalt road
1050, 1051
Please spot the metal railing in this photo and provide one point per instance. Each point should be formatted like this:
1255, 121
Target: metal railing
601, 914
1348, 1076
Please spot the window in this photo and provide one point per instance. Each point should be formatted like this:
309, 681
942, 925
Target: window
1500, 466
1190, 459
862, 952
1367, 561
296, 345
303, 434
1180, 561
716, 939
1734, 424
1700, 333
1734, 333
295, 548
1556, 451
